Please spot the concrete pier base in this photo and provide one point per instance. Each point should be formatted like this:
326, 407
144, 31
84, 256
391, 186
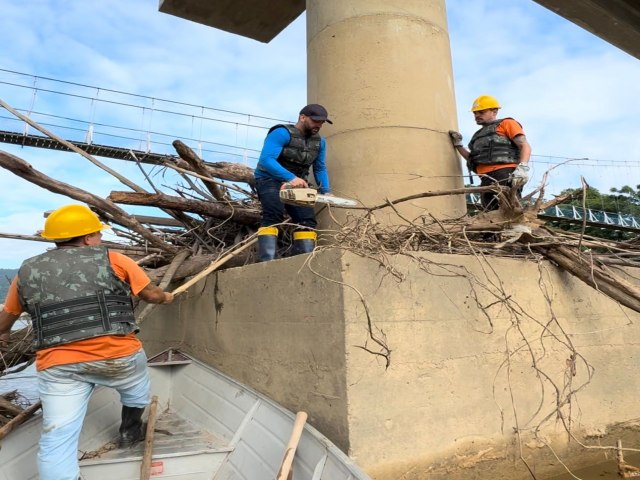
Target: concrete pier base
476, 353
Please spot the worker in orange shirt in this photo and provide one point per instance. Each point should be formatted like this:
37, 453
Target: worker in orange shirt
498, 152
79, 299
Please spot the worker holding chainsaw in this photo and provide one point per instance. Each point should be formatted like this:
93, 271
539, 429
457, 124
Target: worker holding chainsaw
289, 152
79, 298
498, 152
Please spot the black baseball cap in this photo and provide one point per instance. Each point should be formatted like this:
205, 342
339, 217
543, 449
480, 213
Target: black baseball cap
316, 112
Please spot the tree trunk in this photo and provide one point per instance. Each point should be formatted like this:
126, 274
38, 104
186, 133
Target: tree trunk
594, 275
210, 209
234, 172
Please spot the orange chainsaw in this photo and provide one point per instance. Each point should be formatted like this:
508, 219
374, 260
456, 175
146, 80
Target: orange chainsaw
308, 197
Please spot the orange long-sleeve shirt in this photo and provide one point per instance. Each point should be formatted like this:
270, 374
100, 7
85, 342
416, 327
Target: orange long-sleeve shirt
92, 349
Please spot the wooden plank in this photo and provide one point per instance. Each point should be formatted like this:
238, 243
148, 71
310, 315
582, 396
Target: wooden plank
145, 468
285, 471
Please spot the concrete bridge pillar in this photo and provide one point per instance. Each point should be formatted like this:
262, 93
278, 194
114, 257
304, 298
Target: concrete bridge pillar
383, 70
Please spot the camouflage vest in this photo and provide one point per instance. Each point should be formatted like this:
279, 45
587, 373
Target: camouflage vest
74, 294
300, 153
489, 148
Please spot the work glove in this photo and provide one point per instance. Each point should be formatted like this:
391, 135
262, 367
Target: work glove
456, 138
520, 175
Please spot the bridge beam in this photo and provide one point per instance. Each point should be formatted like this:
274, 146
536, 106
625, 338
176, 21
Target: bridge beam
258, 19
615, 21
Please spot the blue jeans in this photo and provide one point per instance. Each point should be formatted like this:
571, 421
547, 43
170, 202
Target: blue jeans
273, 209
65, 391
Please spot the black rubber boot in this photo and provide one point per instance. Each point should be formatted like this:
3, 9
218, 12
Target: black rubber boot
304, 242
132, 430
267, 243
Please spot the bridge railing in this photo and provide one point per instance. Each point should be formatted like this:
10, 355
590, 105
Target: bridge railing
572, 212
93, 115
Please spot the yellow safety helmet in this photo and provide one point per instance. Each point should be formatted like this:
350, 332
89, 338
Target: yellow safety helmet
485, 102
71, 221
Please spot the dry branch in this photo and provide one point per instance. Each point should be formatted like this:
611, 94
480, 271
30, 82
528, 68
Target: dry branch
26, 171
198, 166
195, 265
166, 280
23, 416
17, 350
9, 408
214, 266
440, 193
72, 147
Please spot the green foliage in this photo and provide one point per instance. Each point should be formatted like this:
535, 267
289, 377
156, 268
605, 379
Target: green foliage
625, 200
6, 275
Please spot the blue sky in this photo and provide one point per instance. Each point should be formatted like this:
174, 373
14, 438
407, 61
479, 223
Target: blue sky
576, 96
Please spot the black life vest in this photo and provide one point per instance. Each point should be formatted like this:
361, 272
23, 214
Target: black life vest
489, 148
301, 151
74, 294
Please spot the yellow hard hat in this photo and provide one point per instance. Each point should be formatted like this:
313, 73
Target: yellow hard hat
484, 102
71, 221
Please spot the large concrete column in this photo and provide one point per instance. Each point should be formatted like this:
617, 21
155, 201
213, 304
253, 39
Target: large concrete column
383, 70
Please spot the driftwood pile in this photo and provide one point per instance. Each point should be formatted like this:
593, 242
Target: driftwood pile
212, 215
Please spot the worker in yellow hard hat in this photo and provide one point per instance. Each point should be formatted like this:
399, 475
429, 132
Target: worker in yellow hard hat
498, 152
79, 298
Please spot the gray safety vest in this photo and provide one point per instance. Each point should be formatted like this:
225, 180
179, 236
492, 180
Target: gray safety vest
300, 153
74, 294
489, 148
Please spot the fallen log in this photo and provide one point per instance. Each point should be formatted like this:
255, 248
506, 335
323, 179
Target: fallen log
224, 211
228, 186
167, 222
594, 275
234, 172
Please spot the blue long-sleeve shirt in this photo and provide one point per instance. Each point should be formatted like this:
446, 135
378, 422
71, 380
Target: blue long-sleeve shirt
268, 165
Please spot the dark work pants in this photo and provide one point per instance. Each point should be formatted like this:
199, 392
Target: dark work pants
273, 209
489, 200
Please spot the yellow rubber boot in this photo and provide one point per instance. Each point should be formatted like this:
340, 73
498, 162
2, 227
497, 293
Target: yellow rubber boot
267, 243
304, 242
